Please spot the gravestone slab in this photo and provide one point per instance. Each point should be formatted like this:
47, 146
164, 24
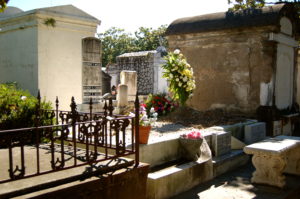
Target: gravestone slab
277, 128
91, 70
255, 132
221, 142
129, 78
122, 96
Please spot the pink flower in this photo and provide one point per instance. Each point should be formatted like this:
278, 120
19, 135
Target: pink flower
193, 135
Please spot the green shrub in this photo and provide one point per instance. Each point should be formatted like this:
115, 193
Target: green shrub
18, 108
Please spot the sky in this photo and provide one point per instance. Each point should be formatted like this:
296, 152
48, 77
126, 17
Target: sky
132, 14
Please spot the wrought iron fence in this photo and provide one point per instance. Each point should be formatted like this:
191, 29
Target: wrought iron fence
74, 139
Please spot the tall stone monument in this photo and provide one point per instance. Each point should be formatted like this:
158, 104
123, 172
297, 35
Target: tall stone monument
91, 69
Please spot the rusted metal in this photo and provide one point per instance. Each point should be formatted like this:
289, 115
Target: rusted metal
103, 136
137, 134
37, 123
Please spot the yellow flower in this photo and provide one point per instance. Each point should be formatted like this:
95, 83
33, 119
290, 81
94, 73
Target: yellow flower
187, 73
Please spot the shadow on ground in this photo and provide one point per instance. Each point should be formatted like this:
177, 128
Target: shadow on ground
236, 185
165, 128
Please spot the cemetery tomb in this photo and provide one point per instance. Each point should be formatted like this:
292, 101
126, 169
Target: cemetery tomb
91, 70
221, 143
147, 65
255, 132
241, 60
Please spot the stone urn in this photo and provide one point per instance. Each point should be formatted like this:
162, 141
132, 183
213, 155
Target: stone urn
191, 148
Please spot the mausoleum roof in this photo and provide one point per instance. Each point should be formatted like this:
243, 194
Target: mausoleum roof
138, 54
10, 11
265, 16
69, 11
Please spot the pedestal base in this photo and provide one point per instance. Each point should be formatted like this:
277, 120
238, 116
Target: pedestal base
269, 169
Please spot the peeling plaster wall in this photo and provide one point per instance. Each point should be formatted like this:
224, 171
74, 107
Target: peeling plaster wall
229, 66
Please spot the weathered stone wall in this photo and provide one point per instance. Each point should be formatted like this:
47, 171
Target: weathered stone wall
229, 66
143, 65
147, 64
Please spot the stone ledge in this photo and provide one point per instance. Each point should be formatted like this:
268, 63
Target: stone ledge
229, 162
126, 183
173, 180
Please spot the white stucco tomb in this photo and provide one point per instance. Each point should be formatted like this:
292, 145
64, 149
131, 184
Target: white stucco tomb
42, 49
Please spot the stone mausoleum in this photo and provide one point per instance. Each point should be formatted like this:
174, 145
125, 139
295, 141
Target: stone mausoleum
241, 60
147, 64
52, 49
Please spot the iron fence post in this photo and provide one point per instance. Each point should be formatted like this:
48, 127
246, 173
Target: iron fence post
137, 135
74, 116
37, 124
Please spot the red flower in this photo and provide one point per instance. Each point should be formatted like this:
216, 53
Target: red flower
194, 135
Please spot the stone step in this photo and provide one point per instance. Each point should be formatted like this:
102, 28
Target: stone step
229, 162
174, 179
177, 177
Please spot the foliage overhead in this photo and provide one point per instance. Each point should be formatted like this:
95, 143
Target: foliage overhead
150, 39
3, 5
116, 41
246, 4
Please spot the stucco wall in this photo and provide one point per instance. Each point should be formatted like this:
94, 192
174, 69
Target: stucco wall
160, 84
18, 53
43, 57
60, 60
228, 66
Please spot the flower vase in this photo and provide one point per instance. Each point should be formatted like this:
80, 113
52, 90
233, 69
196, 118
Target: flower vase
191, 148
144, 132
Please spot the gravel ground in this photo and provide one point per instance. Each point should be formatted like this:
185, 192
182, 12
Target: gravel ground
167, 130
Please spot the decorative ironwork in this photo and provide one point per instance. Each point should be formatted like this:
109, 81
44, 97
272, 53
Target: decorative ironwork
101, 136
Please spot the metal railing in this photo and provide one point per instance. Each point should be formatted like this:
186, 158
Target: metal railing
72, 140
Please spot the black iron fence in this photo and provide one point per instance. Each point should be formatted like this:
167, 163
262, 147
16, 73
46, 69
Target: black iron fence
73, 139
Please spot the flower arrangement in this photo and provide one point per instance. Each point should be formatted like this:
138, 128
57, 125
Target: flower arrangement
179, 75
161, 104
192, 135
144, 118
